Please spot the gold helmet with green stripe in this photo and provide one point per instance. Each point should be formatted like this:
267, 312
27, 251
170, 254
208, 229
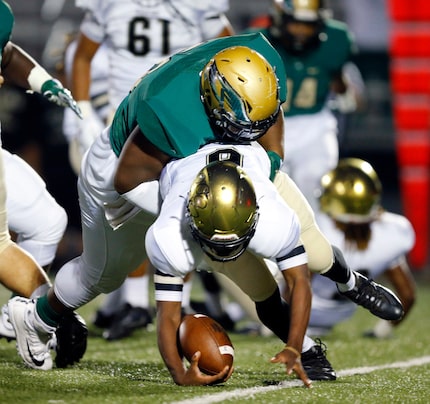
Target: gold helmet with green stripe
240, 92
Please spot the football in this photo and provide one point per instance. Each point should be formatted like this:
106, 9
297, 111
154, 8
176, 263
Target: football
199, 332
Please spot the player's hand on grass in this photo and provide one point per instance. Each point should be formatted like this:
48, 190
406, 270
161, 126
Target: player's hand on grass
291, 359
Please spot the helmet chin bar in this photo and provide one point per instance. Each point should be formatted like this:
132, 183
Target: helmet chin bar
224, 255
240, 130
223, 251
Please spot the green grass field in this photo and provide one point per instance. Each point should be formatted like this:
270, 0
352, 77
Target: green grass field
131, 371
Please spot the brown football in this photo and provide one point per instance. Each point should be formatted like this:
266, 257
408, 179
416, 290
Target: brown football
199, 332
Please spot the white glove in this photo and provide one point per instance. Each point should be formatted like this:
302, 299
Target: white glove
89, 127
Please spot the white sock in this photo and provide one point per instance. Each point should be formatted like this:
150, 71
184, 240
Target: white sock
136, 291
40, 290
112, 302
344, 287
308, 343
186, 292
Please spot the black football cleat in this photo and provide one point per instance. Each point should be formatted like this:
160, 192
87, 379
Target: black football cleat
72, 334
102, 320
376, 298
127, 320
315, 363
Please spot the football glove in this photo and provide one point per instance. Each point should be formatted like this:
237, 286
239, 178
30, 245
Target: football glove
89, 127
54, 91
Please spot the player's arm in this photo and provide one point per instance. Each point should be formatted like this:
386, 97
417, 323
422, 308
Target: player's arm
19, 68
140, 162
273, 143
404, 285
346, 98
300, 297
81, 67
399, 275
16, 65
168, 321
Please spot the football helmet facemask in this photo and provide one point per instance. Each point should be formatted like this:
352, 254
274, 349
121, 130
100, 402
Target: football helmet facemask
222, 210
240, 92
351, 193
309, 13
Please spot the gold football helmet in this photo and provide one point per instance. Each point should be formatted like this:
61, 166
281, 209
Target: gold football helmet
309, 13
222, 210
301, 10
240, 92
351, 193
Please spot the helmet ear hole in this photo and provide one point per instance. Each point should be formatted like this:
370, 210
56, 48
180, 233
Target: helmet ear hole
222, 210
240, 92
351, 193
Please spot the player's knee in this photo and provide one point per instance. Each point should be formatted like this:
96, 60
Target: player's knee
51, 230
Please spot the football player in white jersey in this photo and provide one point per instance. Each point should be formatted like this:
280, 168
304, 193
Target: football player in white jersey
373, 241
136, 35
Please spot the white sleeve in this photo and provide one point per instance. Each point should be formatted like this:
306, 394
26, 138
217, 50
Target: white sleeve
92, 27
213, 26
214, 18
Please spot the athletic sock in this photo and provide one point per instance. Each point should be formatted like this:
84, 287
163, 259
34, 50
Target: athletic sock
274, 313
136, 291
46, 313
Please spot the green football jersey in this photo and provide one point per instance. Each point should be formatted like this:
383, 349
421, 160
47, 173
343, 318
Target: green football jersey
309, 74
6, 25
166, 105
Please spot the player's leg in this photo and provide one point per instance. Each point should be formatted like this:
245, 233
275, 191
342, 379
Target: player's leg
134, 312
258, 283
33, 214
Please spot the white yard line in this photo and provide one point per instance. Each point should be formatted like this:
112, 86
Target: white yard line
218, 397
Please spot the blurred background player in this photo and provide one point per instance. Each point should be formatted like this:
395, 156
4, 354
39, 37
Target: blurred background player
19, 271
135, 36
315, 49
374, 242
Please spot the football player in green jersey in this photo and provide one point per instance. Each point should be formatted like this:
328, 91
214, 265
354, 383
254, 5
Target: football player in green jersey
314, 49
225, 90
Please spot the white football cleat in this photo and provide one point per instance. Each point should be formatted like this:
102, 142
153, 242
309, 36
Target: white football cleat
6, 329
32, 336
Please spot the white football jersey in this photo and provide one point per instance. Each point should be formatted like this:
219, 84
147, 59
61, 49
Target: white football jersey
392, 238
141, 33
